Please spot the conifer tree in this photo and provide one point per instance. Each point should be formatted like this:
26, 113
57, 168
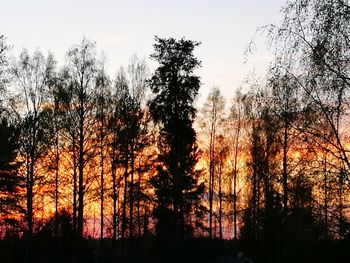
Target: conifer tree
175, 87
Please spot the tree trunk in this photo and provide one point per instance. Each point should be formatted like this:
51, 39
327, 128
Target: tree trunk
131, 194
81, 167
211, 177
30, 177
220, 198
125, 197
235, 175
75, 186
139, 202
102, 198
114, 183
325, 199
284, 172
102, 177
57, 159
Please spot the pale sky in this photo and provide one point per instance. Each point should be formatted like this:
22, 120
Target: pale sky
124, 28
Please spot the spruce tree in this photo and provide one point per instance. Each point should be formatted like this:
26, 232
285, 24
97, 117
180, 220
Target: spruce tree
175, 87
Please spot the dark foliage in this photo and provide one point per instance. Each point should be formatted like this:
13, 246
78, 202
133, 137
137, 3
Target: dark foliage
10, 181
175, 87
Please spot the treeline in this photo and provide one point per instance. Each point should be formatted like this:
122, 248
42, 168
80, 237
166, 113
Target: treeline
131, 158
80, 147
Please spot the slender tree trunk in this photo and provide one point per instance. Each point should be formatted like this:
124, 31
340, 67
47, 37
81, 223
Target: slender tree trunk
124, 219
81, 195
57, 159
29, 187
235, 172
30, 178
341, 230
102, 198
265, 172
125, 197
235, 192
30, 197
118, 216
75, 186
131, 194
255, 185
114, 185
284, 172
102, 177
211, 176
235, 204
139, 202
220, 198
325, 199
81, 168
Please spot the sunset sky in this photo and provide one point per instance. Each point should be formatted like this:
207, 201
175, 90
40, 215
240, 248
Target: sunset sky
112, 157
123, 28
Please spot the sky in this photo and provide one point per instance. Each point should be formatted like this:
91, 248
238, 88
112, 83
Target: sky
124, 28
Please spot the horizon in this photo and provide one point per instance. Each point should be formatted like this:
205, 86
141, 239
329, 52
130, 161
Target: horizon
223, 138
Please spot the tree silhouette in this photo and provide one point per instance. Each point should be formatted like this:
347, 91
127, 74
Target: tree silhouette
33, 75
175, 87
102, 101
80, 94
235, 117
10, 181
81, 157
211, 122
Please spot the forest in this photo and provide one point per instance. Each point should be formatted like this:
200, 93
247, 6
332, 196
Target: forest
130, 168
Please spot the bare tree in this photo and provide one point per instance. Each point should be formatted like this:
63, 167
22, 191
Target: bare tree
103, 99
82, 73
211, 120
32, 75
235, 119
137, 70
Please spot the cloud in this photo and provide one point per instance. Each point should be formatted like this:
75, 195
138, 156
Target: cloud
131, 34
113, 39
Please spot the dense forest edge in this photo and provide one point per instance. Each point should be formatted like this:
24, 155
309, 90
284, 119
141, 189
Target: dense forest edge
95, 168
